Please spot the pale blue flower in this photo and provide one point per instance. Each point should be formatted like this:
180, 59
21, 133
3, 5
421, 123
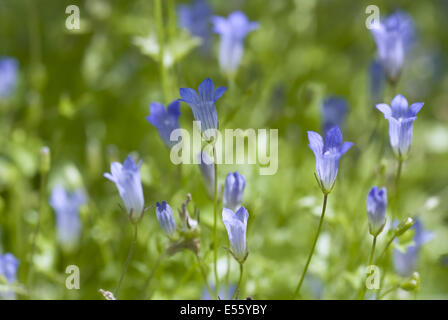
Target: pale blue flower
66, 206
165, 217
232, 30
236, 225
377, 78
8, 75
334, 112
165, 120
8, 270
394, 38
376, 209
233, 190
401, 118
127, 179
196, 19
327, 155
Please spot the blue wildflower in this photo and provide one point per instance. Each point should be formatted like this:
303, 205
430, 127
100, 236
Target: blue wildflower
376, 209
165, 217
127, 179
66, 206
8, 75
8, 270
196, 19
236, 225
334, 112
327, 155
232, 30
233, 190
405, 263
376, 73
208, 172
165, 120
401, 119
203, 104
394, 38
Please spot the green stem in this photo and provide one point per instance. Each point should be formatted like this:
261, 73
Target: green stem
235, 294
128, 259
385, 293
372, 253
204, 275
324, 206
153, 271
215, 218
158, 15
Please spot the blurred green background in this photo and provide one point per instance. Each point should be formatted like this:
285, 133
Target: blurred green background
86, 94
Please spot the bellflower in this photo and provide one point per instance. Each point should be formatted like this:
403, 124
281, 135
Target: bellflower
8, 270
405, 263
236, 225
376, 210
165, 120
327, 155
208, 172
232, 30
334, 111
8, 75
66, 206
127, 179
233, 190
394, 38
196, 19
401, 119
165, 217
203, 103
376, 73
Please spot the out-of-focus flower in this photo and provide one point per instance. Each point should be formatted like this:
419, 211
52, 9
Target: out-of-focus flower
203, 103
165, 217
401, 118
165, 120
8, 270
236, 225
334, 111
394, 38
225, 293
8, 75
377, 77
233, 190
208, 172
127, 179
66, 206
327, 155
196, 19
232, 30
376, 209
405, 263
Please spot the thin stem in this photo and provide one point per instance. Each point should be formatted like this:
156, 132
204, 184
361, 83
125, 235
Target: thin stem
161, 41
215, 218
397, 178
153, 271
204, 275
372, 253
385, 293
324, 206
235, 294
383, 253
128, 259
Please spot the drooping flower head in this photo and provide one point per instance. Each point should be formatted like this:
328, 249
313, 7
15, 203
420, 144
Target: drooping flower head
208, 172
203, 103
8, 270
377, 78
8, 75
233, 190
376, 209
327, 153
196, 19
236, 225
405, 263
66, 206
127, 179
394, 38
232, 30
165, 217
334, 112
165, 120
401, 118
